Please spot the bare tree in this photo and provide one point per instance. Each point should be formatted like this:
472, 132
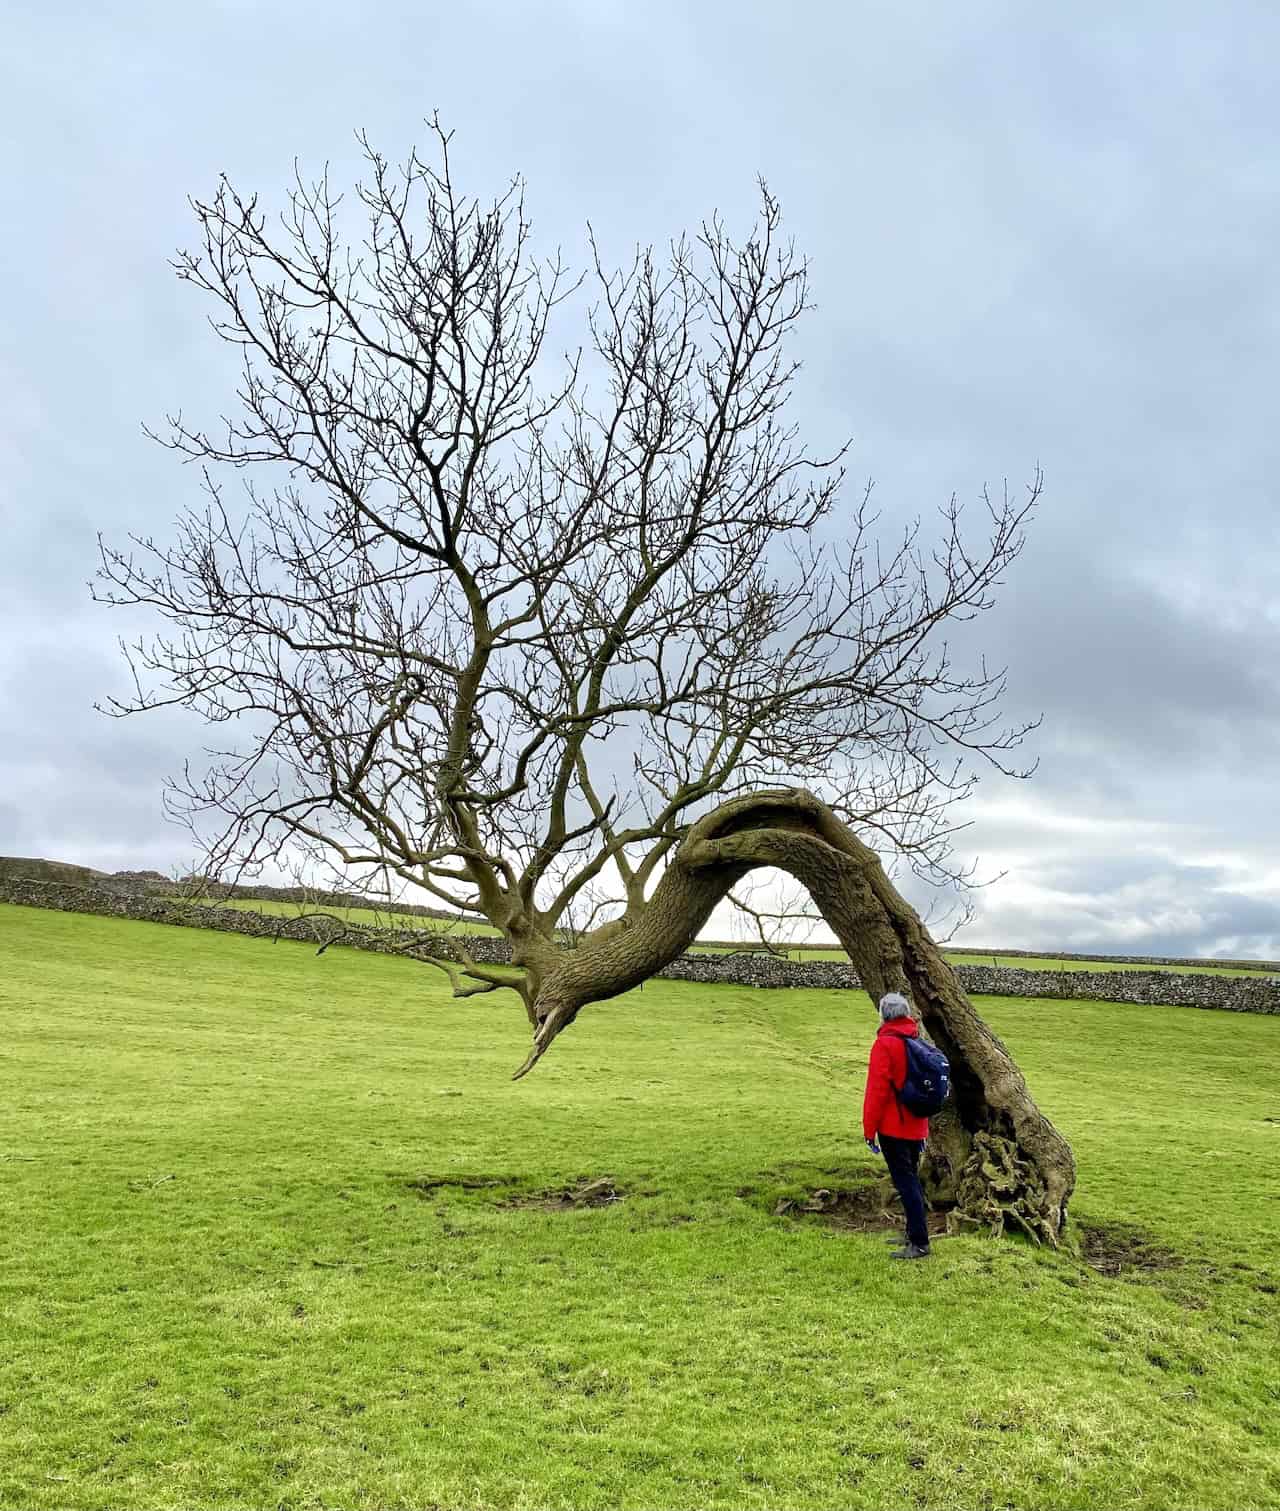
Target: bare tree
572, 645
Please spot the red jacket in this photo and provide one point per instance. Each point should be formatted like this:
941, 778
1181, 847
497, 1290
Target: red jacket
881, 1110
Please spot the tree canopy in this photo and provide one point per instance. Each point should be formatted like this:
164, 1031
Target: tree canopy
574, 644
502, 624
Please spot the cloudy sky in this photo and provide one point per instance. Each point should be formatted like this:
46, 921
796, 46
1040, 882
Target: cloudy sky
1038, 235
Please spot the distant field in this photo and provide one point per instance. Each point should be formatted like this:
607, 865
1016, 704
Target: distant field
1048, 963
1014, 962
281, 1231
376, 917
391, 919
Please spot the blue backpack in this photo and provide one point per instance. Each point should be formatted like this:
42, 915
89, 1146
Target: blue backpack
928, 1081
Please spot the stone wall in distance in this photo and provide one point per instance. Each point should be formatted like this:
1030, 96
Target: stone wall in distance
1241, 994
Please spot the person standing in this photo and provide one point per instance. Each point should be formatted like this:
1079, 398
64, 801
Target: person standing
888, 1127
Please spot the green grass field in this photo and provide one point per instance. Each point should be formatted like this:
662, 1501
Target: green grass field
224, 1284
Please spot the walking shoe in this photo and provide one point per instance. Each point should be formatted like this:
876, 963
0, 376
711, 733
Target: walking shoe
897, 1238
912, 1251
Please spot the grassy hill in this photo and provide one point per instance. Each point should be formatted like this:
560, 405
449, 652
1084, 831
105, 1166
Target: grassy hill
15, 866
280, 1231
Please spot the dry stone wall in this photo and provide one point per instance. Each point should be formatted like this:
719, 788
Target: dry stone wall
211, 892
1241, 994
313, 928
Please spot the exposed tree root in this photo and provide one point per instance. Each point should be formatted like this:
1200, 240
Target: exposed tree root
999, 1186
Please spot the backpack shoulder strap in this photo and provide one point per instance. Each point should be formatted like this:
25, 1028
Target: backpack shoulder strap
906, 1064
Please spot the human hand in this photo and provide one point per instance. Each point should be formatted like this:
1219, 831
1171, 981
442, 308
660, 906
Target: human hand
873, 1146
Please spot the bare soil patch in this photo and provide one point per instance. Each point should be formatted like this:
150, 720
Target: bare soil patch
871, 1207
428, 1185
1120, 1248
591, 1191
587, 1191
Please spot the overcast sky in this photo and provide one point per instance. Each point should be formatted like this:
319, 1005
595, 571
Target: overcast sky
1038, 234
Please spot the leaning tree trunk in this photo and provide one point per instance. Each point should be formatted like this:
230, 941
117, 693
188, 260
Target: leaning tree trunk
994, 1157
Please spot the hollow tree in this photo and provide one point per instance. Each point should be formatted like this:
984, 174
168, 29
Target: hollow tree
572, 645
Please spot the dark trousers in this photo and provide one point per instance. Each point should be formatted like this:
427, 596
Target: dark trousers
902, 1155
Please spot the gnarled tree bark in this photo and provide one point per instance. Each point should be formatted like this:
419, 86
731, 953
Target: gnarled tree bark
995, 1157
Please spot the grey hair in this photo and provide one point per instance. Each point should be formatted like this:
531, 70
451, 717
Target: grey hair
894, 1005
